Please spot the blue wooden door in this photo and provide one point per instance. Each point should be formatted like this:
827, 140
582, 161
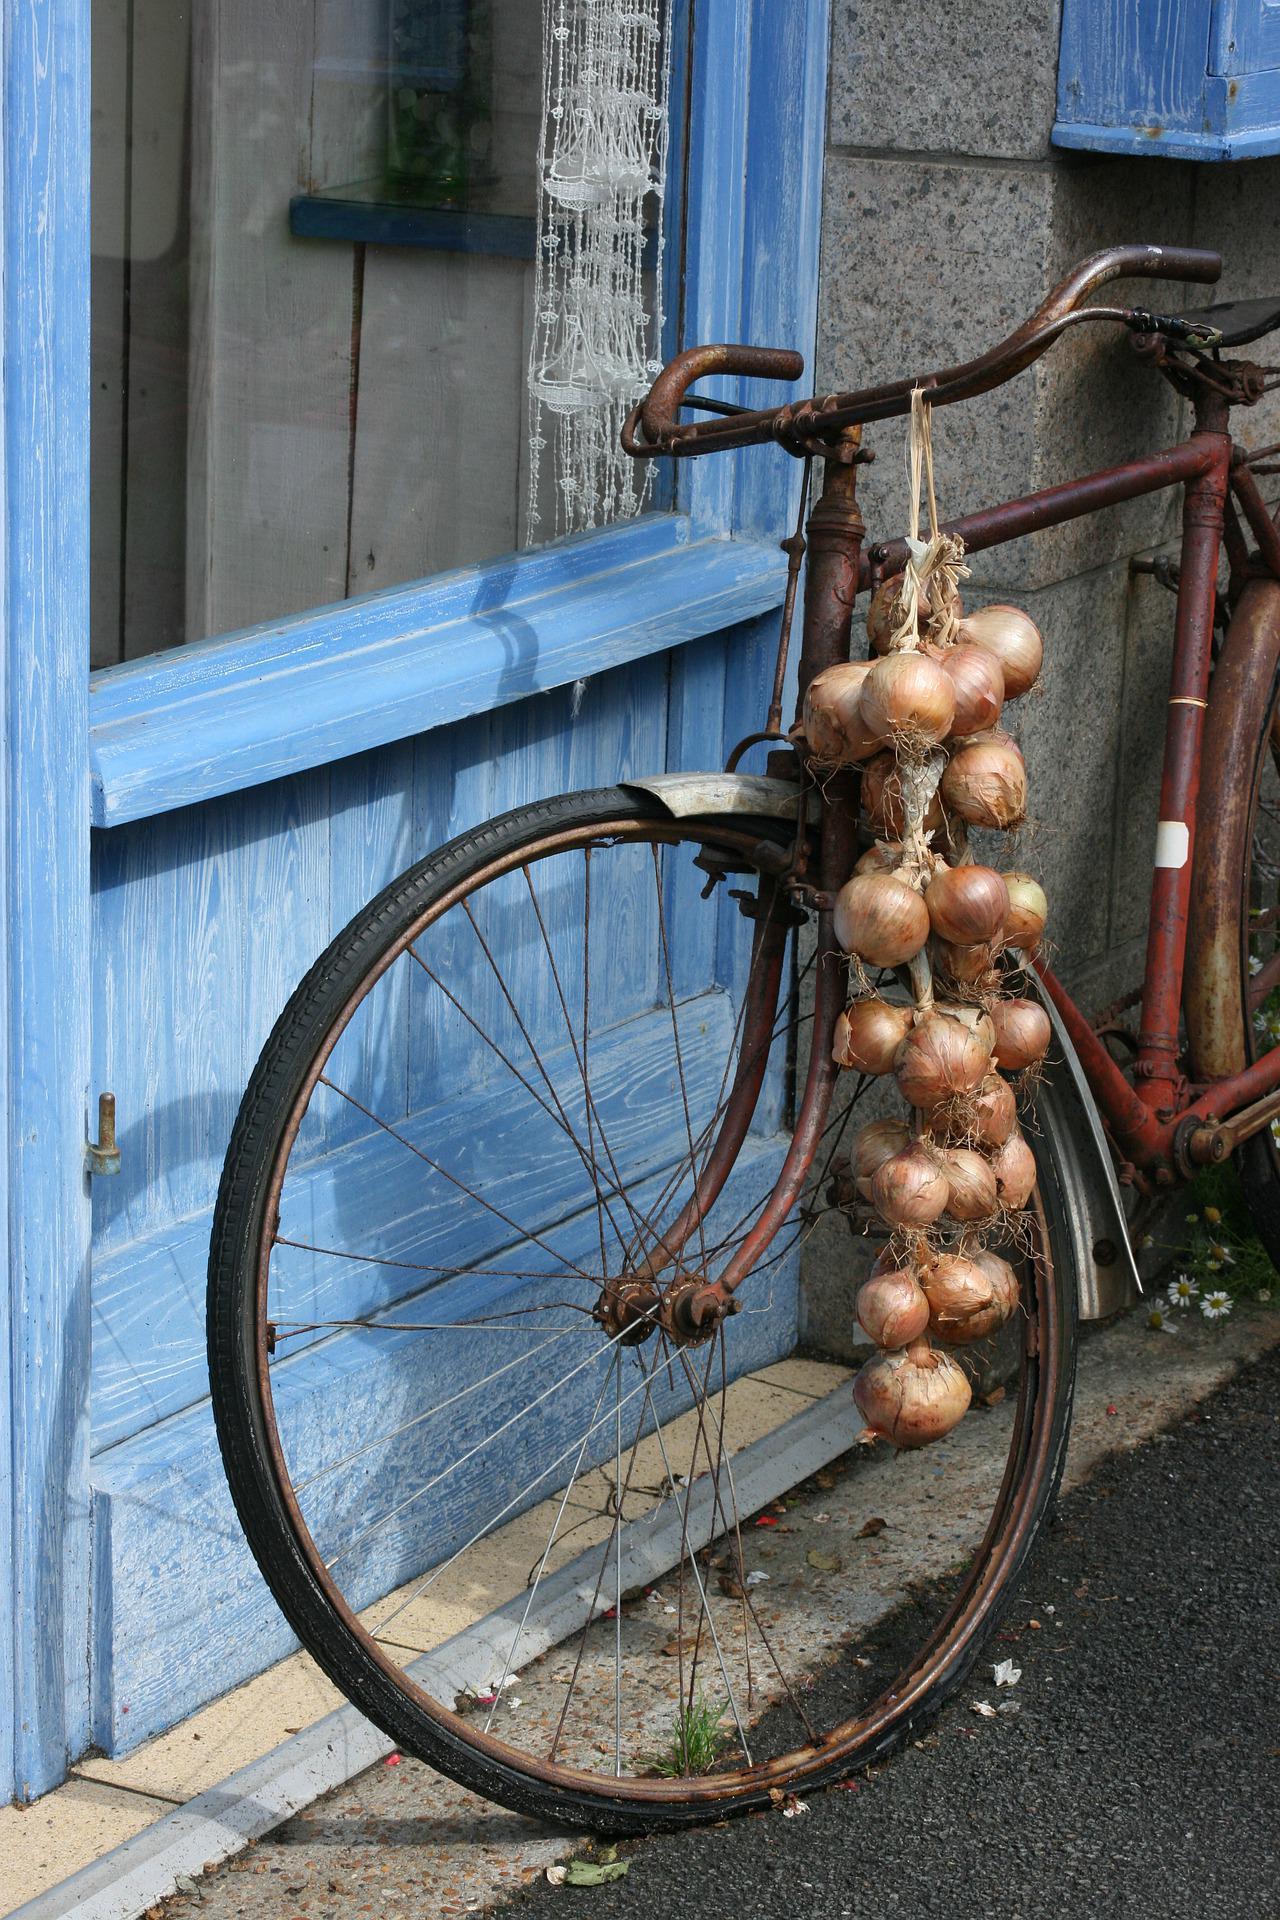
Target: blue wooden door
248, 793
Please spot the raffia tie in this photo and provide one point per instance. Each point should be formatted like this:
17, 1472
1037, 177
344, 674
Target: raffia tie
937, 559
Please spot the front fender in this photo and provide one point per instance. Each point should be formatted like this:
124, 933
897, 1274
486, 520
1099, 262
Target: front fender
691, 794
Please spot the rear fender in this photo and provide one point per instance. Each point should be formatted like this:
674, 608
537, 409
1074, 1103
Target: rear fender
1071, 1151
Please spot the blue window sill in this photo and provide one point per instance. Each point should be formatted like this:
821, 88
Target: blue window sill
226, 714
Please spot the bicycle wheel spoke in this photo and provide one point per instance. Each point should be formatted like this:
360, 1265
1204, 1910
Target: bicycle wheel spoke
555, 1112
523, 1232
697, 1575
675, 1030
477, 1447
502, 1513
573, 1041
407, 1426
408, 1266
510, 1660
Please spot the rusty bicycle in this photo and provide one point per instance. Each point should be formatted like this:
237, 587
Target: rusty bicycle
524, 1552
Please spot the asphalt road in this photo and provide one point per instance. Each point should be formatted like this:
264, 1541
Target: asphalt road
1140, 1774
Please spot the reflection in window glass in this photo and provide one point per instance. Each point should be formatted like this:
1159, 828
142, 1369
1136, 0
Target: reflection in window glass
313, 235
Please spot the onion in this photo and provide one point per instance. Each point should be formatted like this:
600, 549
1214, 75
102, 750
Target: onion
985, 781
984, 1118
1028, 911
884, 615
1004, 1286
963, 964
961, 1298
978, 680
912, 1397
909, 1189
884, 857
967, 905
833, 725
908, 696
1023, 1033
882, 798
1014, 1166
1013, 637
869, 1033
892, 1308
972, 1184
872, 1146
881, 919
941, 1057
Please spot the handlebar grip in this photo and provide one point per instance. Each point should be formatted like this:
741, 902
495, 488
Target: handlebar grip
1184, 263
658, 411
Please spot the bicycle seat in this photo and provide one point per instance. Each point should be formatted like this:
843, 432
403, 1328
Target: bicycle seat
1239, 321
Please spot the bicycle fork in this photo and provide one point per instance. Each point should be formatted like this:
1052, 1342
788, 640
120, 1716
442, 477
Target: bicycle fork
693, 1306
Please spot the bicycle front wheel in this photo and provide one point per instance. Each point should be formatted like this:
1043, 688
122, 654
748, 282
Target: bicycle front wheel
540, 1081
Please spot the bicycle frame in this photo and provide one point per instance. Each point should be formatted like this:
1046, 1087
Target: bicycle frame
1157, 1122
1161, 1126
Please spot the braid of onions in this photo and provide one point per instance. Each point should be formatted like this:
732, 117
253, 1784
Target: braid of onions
921, 718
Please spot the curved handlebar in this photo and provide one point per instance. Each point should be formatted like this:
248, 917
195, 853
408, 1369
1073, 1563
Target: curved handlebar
656, 415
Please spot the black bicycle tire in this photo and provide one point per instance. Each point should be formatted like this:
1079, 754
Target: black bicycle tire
239, 1417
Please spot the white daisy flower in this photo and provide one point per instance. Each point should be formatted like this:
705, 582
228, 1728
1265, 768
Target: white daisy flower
1160, 1322
1264, 1294
1182, 1291
1223, 1255
1216, 1305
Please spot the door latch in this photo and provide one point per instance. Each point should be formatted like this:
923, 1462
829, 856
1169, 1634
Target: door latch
103, 1155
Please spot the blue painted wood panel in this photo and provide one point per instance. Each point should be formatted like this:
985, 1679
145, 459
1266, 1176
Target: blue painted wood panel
1187, 79
45, 614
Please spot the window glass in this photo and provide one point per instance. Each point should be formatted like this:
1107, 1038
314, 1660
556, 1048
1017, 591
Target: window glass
313, 235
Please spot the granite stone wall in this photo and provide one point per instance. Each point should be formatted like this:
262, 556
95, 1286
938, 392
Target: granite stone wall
947, 215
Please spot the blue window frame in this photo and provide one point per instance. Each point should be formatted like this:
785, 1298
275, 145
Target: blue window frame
290, 694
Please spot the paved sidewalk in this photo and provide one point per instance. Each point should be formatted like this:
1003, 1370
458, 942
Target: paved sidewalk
399, 1842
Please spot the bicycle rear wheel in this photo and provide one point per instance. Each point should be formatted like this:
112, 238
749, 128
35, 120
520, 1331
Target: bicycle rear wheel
1233, 1005
494, 1096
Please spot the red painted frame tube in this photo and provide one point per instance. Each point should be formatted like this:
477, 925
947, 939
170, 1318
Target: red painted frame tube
1050, 508
1158, 1078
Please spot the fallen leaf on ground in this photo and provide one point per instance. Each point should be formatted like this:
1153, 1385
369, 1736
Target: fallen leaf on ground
590, 1873
766, 1520
756, 1577
824, 1480
824, 1562
993, 1398
557, 1875
674, 1647
794, 1806
985, 1708
870, 1528
1006, 1674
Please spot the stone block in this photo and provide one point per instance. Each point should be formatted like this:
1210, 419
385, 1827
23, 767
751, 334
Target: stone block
928, 263
965, 78
1069, 728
